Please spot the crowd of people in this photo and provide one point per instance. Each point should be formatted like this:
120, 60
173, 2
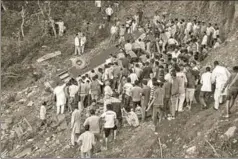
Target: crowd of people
156, 74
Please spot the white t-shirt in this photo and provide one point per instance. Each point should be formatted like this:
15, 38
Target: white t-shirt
189, 26
60, 95
73, 89
216, 45
204, 40
206, 81
220, 75
175, 54
88, 140
98, 3
76, 41
128, 87
172, 41
113, 29
108, 91
133, 77
42, 112
83, 40
128, 47
110, 117
210, 30
109, 11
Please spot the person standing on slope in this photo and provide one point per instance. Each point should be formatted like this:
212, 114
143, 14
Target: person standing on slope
232, 90
220, 75
109, 12
60, 97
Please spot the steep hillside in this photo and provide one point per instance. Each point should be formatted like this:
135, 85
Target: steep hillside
199, 133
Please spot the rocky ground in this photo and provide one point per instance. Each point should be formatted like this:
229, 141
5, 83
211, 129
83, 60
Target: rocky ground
199, 133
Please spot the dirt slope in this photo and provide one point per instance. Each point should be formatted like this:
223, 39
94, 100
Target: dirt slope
189, 130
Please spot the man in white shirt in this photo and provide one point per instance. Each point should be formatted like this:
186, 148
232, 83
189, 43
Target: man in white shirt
172, 42
83, 42
87, 141
176, 53
133, 77
156, 19
220, 75
142, 44
60, 96
43, 114
189, 27
204, 40
61, 27
98, 4
110, 118
109, 12
94, 124
113, 31
76, 44
210, 31
206, 89
128, 46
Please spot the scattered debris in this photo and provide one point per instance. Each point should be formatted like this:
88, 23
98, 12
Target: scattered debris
24, 153
214, 150
191, 151
22, 101
49, 56
30, 104
230, 132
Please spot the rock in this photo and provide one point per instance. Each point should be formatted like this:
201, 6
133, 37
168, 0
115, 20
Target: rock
230, 132
30, 140
25, 152
198, 133
57, 142
191, 150
30, 94
66, 147
22, 101
30, 104
234, 141
4, 126
48, 139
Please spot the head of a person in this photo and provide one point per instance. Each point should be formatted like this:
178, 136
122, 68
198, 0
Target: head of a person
208, 69
109, 107
144, 82
147, 63
137, 83
216, 63
86, 127
92, 111
129, 80
44, 103
154, 80
193, 63
173, 73
235, 69
94, 102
